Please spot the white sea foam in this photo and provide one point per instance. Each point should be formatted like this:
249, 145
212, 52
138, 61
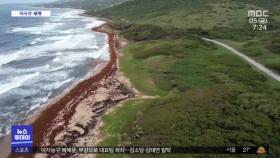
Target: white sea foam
77, 41
67, 43
102, 53
56, 68
35, 41
54, 38
45, 28
95, 23
55, 76
16, 82
72, 31
34, 107
5, 131
77, 57
6, 58
68, 46
57, 59
58, 53
39, 102
59, 84
8, 70
93, 47
70, 15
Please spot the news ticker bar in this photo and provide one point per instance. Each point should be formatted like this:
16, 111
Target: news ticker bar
153, 150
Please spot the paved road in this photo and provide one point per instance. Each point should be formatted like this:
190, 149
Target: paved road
248, 59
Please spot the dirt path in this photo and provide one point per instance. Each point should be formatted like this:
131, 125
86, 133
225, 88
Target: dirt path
248, 59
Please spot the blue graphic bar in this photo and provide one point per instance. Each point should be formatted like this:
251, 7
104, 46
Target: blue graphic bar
27, 142
21, 139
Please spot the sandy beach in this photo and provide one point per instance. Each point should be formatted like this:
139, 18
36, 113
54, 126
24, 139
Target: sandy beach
74, 117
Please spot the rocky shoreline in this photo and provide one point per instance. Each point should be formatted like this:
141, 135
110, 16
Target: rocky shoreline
75, 118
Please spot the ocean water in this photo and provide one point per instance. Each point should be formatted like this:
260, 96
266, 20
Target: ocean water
41, 57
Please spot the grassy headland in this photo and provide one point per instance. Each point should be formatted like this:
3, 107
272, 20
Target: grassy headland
223, 19
206, 95
92, 5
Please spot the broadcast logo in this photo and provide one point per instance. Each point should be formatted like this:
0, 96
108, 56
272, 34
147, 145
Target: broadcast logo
258, 19
21, 139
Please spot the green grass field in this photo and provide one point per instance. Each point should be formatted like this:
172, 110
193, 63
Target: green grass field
207, 96
262, 50
222, 19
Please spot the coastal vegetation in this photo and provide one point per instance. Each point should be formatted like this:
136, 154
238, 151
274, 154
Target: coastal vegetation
208, 97
93, 5
203, 94
223, 19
